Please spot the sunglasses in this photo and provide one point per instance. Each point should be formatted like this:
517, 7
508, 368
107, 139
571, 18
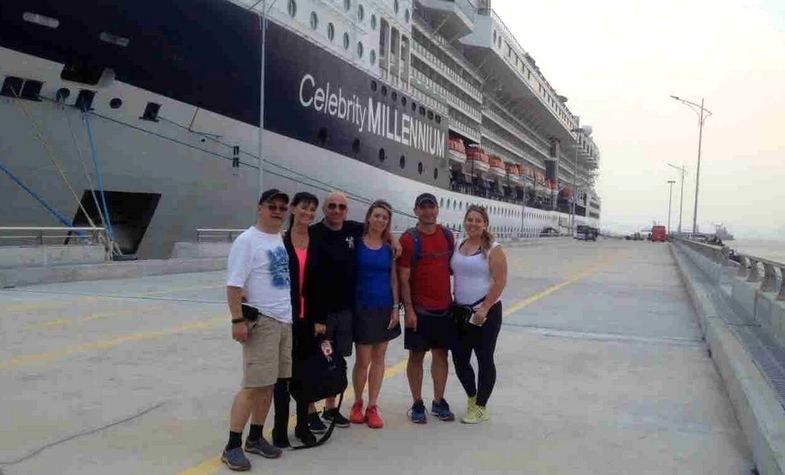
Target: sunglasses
340, 206
279, 208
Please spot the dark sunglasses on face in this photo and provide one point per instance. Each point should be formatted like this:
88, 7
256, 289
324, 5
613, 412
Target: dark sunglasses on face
279, 208
340, 206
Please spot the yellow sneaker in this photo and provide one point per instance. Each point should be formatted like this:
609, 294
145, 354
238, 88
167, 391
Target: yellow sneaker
471, 404
476, 415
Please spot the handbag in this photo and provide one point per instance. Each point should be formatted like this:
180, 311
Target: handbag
462, 313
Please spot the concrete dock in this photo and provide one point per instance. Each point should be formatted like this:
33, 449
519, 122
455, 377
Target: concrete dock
601, 369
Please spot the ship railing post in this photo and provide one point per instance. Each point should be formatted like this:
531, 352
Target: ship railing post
769, 278
781, 294
754, 275
744, 264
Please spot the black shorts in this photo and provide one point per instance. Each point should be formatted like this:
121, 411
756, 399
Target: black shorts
434, 330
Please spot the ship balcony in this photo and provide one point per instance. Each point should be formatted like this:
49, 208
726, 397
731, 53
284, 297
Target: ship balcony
503, 143
513, 74
514, 130
470, 133
456, 156
456, 16
498, 172
430, 86
476, 166
450, 74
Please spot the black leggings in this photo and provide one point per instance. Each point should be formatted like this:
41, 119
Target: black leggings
281, 403
481, 340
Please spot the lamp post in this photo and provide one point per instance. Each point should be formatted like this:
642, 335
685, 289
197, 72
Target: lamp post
263, 25
683, 171
670, 195
578, 131
703, 114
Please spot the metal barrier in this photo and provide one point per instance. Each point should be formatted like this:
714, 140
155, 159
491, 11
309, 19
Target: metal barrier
770, 275
22, 235
217, 235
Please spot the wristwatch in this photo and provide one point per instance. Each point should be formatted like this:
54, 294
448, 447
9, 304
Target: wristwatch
237, 320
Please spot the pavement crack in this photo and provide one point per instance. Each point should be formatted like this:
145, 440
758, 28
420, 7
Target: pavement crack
95, 430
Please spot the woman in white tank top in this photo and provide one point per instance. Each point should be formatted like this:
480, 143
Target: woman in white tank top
479, 269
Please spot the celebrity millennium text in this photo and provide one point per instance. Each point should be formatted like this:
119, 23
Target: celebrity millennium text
401, 128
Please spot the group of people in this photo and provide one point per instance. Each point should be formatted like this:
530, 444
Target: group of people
345, 284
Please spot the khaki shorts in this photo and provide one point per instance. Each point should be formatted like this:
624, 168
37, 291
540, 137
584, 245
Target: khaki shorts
267, 354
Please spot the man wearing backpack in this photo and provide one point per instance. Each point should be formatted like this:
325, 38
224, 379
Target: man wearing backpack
424, 278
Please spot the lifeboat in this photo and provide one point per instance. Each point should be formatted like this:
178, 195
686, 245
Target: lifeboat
456, 150
497, 167
514, 173
477, 161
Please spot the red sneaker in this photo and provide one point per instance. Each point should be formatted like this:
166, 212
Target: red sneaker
356, 415
375, 421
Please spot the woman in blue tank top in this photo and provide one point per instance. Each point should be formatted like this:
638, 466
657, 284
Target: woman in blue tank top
376, 313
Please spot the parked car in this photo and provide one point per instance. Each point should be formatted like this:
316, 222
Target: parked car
549, 232
586, 233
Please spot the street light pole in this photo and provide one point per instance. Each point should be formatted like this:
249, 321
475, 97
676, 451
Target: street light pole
578, 131
703, 114
263, 24
683, 171
670, 195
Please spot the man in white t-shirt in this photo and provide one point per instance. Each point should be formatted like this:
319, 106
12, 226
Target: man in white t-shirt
258, 269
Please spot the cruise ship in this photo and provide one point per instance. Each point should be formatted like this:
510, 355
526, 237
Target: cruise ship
147, 116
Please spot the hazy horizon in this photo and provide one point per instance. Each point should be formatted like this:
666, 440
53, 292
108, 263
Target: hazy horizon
618, 63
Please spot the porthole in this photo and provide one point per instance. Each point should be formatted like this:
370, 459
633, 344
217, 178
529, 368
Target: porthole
292, 8
448, 204
359, 49
382, 155
438, 119
115, 103
422, 110
435, 173
403, 101
430, 115
419, 168
330, 31
394, 96
356, 146
373, 57
402, 161
314, 20
347, 5
384, 90
414, 106
62, 94
360, 12
373, 21
374, 86
346, 41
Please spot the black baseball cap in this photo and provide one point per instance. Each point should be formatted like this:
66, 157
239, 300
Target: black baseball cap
272, 194
424, 198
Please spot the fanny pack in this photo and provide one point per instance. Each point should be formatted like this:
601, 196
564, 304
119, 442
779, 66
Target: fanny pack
430, 313
462, 313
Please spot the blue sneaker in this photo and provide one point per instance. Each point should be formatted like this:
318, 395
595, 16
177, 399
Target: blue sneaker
417, 413
236, 460
261, 447
442, 411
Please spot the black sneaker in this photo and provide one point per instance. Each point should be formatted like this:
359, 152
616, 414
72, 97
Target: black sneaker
315, 424
305, 436
329, 414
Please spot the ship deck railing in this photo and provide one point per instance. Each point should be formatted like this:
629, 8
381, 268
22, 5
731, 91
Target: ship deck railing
61, 235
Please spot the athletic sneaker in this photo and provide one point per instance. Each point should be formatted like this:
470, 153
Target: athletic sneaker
442, 411
417, 413
236, 460
305, 436
261, 447
471, 403
315, 424
329, 414
356, 415
375, 421
476, 415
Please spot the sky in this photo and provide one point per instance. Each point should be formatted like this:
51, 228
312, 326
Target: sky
619, 61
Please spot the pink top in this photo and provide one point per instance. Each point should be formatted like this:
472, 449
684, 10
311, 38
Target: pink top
302, 254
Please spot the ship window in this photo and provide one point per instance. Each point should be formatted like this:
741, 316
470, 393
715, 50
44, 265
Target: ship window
359, 49
384, 90
373, 86
438, 119
414, 106
419, 168
406, 15
83, 73
422, 110
382, 155
346, 41
360, 12
330, 31
314, 20
402, 161
62, 94
373, 57
395, 6
373, 21
42, 20
114, 39
441, 202
12, 86
347, 5
31, 90
403, 100
494, 36
84, 101
435, 173
356, 146
394, 96
115, 103
292, 8
321, 136
151, 112
430, 115
448, 204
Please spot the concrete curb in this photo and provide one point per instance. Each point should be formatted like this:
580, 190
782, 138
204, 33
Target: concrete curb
111, 270
761, 416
